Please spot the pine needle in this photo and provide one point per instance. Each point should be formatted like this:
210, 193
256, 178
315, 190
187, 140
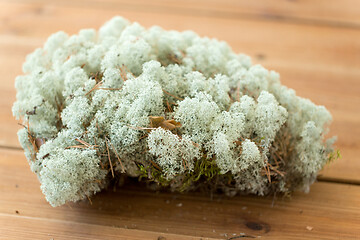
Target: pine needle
112, 170
169, 107
95, 87
178, 98
109, 89
155, 165
139, 128
144, 136
124, 66
31, 139
123, 73
89, 199
267, 171
83, 142
76, 146
117, 155
87, 145
277, 171
238, 92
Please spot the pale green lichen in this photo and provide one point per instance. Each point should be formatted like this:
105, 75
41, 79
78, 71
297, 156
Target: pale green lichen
168, 107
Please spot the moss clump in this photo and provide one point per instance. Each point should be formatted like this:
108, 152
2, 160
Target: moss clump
168, 107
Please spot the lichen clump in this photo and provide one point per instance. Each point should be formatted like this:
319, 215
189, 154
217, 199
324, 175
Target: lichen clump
169, 108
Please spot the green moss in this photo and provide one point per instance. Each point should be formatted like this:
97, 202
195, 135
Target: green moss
333, 156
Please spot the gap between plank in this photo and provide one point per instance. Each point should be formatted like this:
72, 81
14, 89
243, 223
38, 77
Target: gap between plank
338, 181
11, 148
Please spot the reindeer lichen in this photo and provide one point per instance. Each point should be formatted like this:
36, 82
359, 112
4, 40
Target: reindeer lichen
172, 108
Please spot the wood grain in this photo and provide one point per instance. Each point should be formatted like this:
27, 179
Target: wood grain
332, 211
313, 44
20, 227
324, 64
342, 13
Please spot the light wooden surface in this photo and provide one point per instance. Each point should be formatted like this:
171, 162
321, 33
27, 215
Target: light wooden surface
314, 45
331, 210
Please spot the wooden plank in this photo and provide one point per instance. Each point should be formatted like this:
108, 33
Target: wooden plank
332, 12
330, 50
329, 211
19, 227
323, 45
324, 65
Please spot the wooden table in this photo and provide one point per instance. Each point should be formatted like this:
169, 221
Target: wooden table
315, 45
